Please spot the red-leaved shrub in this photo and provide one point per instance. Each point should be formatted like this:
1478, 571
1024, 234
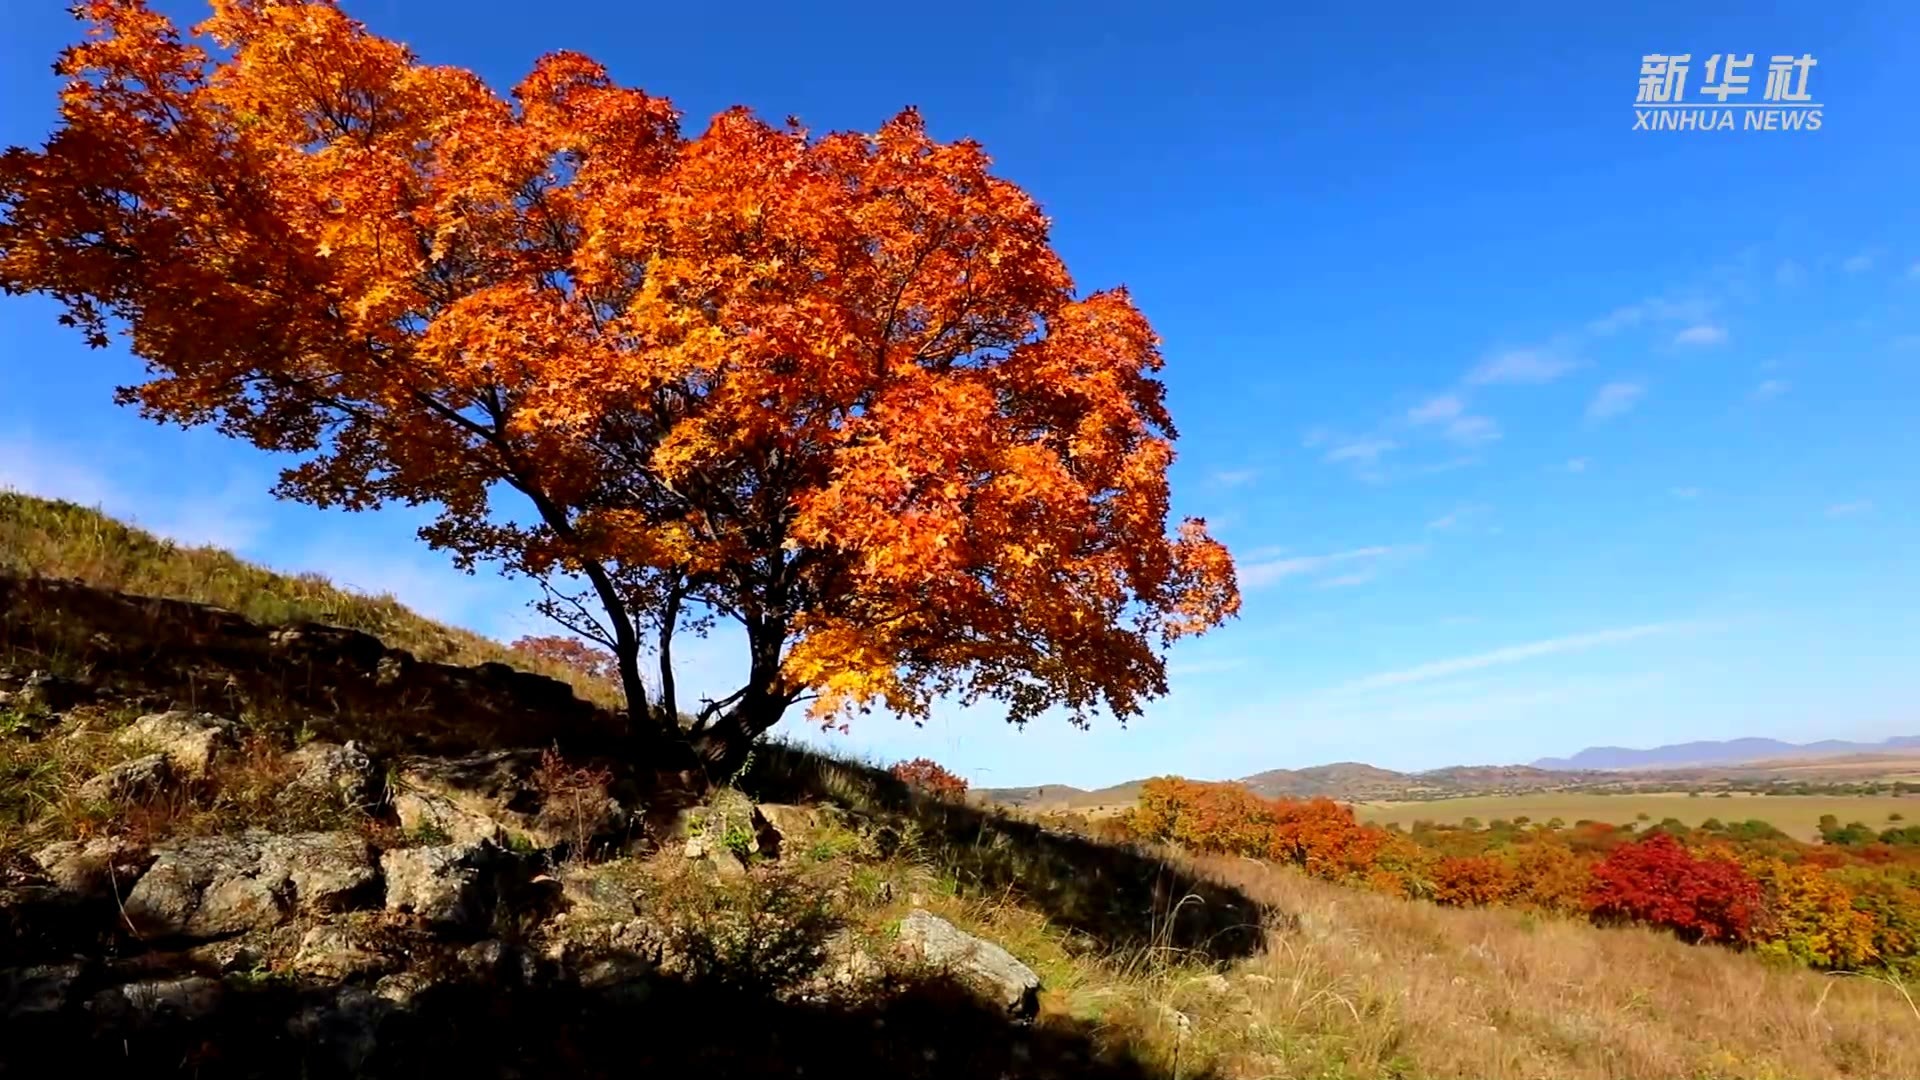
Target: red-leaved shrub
1659, 882
930, 777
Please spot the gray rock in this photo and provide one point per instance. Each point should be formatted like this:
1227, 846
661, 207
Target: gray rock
341, 950
161, 999
332, 771
211, 886
101, 867
448, 885
191, 741
136, 781
987, 968
329, 871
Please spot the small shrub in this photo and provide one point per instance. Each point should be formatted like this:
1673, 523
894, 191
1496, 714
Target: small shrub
929, 776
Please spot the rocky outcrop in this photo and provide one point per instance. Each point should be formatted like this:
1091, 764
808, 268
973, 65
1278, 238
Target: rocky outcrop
499, 797
209, 887
92, 869
134, 781
465, 887
330, 771
190, 741
990, 970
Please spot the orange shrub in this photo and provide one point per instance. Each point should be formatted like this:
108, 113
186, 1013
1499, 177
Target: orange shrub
1319, 835
1551, 877
1473, 880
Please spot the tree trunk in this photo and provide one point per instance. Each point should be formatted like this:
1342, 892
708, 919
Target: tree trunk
724, 745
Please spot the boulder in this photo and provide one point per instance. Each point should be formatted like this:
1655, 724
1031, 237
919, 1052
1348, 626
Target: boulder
449, 885
329, 871
330, 771
212, 886
467, 800
189, 740
159, 1000
131, 781
93, 869
987, 968
502, 796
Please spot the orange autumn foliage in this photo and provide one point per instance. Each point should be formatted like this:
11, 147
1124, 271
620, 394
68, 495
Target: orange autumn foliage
840, 389
931, 777
1473, 881
1319, 835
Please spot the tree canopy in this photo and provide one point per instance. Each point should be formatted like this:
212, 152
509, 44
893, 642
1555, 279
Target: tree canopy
839, 389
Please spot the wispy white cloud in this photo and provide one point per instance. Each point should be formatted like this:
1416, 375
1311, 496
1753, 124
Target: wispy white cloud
1520, 367
1456, 517
1615, 399
1684, 492
1437, 408
1789, 273
1472, 430
1577, 465
1261, 573
1337, 448
1667, 309
1849, 509
1770, 389
1859, 264
1701, 334
1512, 654
1232, 478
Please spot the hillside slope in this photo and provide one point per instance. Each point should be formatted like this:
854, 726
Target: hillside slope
231, 848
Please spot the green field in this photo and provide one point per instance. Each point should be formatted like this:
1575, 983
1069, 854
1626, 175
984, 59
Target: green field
1796, 815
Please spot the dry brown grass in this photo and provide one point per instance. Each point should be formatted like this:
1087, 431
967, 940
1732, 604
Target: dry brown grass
47, 538
1362, 985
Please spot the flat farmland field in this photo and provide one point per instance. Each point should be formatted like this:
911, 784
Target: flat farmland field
1795, 815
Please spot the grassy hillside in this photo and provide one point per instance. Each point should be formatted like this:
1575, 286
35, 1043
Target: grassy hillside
48, 538
1182, 966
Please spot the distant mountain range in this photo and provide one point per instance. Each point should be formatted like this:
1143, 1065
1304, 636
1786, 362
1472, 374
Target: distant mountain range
1718, 753
1352, 781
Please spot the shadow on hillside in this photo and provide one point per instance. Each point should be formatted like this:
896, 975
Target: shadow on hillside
490, 1028
334, 683
341, 684
1125, 900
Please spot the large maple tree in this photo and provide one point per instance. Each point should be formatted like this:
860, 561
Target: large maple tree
838, 389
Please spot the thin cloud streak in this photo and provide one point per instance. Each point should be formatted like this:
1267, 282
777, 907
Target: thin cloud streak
1512, 654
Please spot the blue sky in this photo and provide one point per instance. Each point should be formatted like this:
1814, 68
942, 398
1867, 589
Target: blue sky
1529, 431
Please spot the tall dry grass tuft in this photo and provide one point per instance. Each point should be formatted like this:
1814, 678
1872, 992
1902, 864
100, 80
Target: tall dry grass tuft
48, 538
